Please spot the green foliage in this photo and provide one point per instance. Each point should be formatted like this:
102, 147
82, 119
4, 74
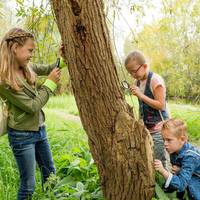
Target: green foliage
5, 17
77, 176
159, 193
8, 171
39, 20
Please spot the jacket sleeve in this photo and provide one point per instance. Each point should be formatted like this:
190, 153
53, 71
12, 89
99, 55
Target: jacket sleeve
23, 101
181, 180
43, 70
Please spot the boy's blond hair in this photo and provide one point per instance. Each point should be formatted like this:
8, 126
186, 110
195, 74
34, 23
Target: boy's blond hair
137, 56
177, 127
7, 67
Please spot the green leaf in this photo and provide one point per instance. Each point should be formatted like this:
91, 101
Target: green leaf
160, 194
80, 186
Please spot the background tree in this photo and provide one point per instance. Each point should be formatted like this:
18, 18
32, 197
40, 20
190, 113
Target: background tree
5, 17
119, 144
172, 44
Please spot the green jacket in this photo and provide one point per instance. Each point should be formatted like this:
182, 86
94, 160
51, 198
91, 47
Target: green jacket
24, 106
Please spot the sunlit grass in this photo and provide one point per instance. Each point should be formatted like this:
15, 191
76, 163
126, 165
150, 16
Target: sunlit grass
187, 112
65, 103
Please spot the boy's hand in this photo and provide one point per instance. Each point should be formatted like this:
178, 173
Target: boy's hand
158, 166
175, 169
135, 91
55, 75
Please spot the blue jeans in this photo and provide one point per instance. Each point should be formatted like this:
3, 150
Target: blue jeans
28, 148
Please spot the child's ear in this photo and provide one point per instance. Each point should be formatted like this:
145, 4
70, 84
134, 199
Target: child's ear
183, 138
14, 47
145, 65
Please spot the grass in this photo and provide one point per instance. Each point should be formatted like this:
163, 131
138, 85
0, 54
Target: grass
76, 172
191, 115
8, 171
63, 103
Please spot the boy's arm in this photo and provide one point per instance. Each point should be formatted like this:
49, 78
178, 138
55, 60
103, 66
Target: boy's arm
181, 179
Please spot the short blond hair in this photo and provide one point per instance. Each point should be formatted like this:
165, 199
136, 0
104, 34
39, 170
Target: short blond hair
176, 126
137, 56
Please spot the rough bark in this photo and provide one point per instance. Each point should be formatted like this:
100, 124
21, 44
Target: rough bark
119, 144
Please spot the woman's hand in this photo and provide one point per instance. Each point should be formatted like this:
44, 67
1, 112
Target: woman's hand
55, 75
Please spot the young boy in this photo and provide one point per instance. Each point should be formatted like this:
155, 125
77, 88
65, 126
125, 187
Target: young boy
185, 160
151, 92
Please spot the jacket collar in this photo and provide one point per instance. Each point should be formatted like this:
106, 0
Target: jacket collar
185, 147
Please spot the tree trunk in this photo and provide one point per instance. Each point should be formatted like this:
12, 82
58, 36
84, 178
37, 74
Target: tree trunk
121, 146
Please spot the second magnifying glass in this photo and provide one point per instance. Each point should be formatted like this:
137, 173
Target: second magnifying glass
125, 85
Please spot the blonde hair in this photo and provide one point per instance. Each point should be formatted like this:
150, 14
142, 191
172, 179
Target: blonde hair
7, 58
137, 56
177, 127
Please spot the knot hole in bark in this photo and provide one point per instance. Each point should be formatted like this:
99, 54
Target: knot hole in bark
81, 30
76, 9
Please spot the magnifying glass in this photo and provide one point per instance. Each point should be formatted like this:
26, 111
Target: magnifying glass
125, 85
58, 63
